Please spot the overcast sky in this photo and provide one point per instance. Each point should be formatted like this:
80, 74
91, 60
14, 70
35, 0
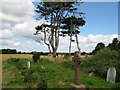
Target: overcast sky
18, 25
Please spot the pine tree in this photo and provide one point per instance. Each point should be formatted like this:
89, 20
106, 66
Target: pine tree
54, 13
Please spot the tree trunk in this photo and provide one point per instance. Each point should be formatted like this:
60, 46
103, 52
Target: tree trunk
54, 53
70, 44
77, 42
49, 48
54, 41
45, 41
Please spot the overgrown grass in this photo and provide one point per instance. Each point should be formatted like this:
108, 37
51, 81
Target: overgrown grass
45, 74
101, 62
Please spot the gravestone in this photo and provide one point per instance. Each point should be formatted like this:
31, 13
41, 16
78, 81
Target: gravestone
77, 60
28, 65
111, 75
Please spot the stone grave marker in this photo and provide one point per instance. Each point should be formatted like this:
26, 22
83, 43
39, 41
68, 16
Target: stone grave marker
111, 75
77, 61
28, 65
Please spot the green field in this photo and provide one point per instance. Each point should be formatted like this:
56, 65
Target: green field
46, 73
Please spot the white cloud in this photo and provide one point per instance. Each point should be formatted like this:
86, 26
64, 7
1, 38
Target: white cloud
17, 0
86, 43
8, 42
6, 33
26, 29
4, 25
17, 12
20, 13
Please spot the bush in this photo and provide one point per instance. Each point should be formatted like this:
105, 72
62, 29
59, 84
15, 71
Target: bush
28, 76
36, 57
67, 56
42, 85
68, 64
101, 62
29, 79
13, 60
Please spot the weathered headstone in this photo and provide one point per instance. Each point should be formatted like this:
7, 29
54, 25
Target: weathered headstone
77, 61
28, 65
111, 75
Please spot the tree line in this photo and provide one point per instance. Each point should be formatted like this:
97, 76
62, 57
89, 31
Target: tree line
8, 51
115, 45
14, 51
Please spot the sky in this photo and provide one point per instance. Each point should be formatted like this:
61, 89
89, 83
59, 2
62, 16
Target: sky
18, 25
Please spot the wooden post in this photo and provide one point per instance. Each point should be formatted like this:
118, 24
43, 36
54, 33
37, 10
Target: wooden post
77, 60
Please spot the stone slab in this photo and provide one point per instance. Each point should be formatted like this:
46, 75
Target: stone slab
77, 87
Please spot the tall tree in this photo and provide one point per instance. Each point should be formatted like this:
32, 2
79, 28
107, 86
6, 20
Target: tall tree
118, 46
98, 47
71, 27
114, 44
54, 13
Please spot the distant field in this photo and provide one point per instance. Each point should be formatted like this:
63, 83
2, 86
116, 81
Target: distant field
29, 56
7, 56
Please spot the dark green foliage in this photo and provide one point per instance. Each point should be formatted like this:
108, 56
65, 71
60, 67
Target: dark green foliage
98, 47
67, 55
19, 66
68, 64
83, 53
72, 22
48, 77
28, 79
8, 51
101, 62
36, 57
42, 85
58, 14
115, 45
15, 60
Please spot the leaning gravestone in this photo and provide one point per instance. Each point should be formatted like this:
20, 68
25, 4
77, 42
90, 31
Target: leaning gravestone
28, 65
111, 75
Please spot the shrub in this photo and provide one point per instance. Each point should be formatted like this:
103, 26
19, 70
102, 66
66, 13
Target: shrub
36, 57
28, 75
13, 60
29, 79
19, 66
42, 85
67, 56
101, 62
68, 64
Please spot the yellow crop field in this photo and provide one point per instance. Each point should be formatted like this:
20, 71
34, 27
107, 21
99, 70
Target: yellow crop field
7, 56
29, 56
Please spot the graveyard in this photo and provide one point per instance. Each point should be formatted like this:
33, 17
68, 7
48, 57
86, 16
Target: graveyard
57, 73
71, 44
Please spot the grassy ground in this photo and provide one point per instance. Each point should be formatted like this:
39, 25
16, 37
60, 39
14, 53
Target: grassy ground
45, 73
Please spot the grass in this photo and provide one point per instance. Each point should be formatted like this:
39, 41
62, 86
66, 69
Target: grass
55, 75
